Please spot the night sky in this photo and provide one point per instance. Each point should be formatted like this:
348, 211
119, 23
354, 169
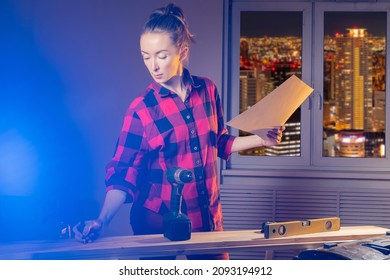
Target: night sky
271, 24
374, 22
277, 24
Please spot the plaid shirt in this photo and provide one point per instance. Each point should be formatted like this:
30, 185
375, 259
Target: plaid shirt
159, 132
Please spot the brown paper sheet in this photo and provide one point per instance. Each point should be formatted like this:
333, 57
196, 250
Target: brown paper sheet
274, 109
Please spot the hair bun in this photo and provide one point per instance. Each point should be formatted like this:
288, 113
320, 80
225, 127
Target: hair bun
170, 19
169, 10
174, 10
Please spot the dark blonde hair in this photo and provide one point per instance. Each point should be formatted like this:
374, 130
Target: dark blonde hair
170, 19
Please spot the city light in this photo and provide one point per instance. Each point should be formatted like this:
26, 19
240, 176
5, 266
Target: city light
266, 62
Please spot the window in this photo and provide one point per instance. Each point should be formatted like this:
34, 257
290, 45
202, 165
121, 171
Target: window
354, 86
339, 49
270, 53
350, 80
269, 43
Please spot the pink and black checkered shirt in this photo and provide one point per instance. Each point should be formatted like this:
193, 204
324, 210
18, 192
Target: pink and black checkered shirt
159, 132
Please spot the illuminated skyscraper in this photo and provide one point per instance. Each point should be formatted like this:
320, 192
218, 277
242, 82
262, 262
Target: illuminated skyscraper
379, 112
353, 80
248, 89
253, 87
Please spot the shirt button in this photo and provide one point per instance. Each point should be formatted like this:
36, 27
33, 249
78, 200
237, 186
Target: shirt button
197, 162
188, 117
200, 177
195, 148
192, 131
202, 192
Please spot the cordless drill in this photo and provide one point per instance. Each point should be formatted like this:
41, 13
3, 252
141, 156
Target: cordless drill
176, 225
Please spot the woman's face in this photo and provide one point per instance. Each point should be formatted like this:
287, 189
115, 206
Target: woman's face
161, 56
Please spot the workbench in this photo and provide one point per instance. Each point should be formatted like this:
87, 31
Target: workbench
133, 247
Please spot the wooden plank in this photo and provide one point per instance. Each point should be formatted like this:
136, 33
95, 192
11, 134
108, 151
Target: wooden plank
130, 247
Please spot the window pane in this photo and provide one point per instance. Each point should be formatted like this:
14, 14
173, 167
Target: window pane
354, 84
270, 52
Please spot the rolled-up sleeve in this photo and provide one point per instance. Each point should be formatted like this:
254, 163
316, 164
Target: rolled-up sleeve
124, 170
225, 140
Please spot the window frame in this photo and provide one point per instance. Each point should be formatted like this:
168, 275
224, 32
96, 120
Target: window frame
311, 163
365, 164
264, 162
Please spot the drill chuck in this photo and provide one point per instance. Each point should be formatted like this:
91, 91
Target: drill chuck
179, 176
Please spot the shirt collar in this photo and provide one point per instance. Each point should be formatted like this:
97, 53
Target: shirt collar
187, 78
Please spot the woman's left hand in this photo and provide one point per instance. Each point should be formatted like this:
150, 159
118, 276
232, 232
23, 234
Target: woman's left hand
274, 136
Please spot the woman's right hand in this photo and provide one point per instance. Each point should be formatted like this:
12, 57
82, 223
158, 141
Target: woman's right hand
87, 231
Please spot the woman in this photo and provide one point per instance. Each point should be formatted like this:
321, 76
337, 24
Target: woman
176, 122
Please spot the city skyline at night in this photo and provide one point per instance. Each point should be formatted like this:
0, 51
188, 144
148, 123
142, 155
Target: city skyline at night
266, 61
